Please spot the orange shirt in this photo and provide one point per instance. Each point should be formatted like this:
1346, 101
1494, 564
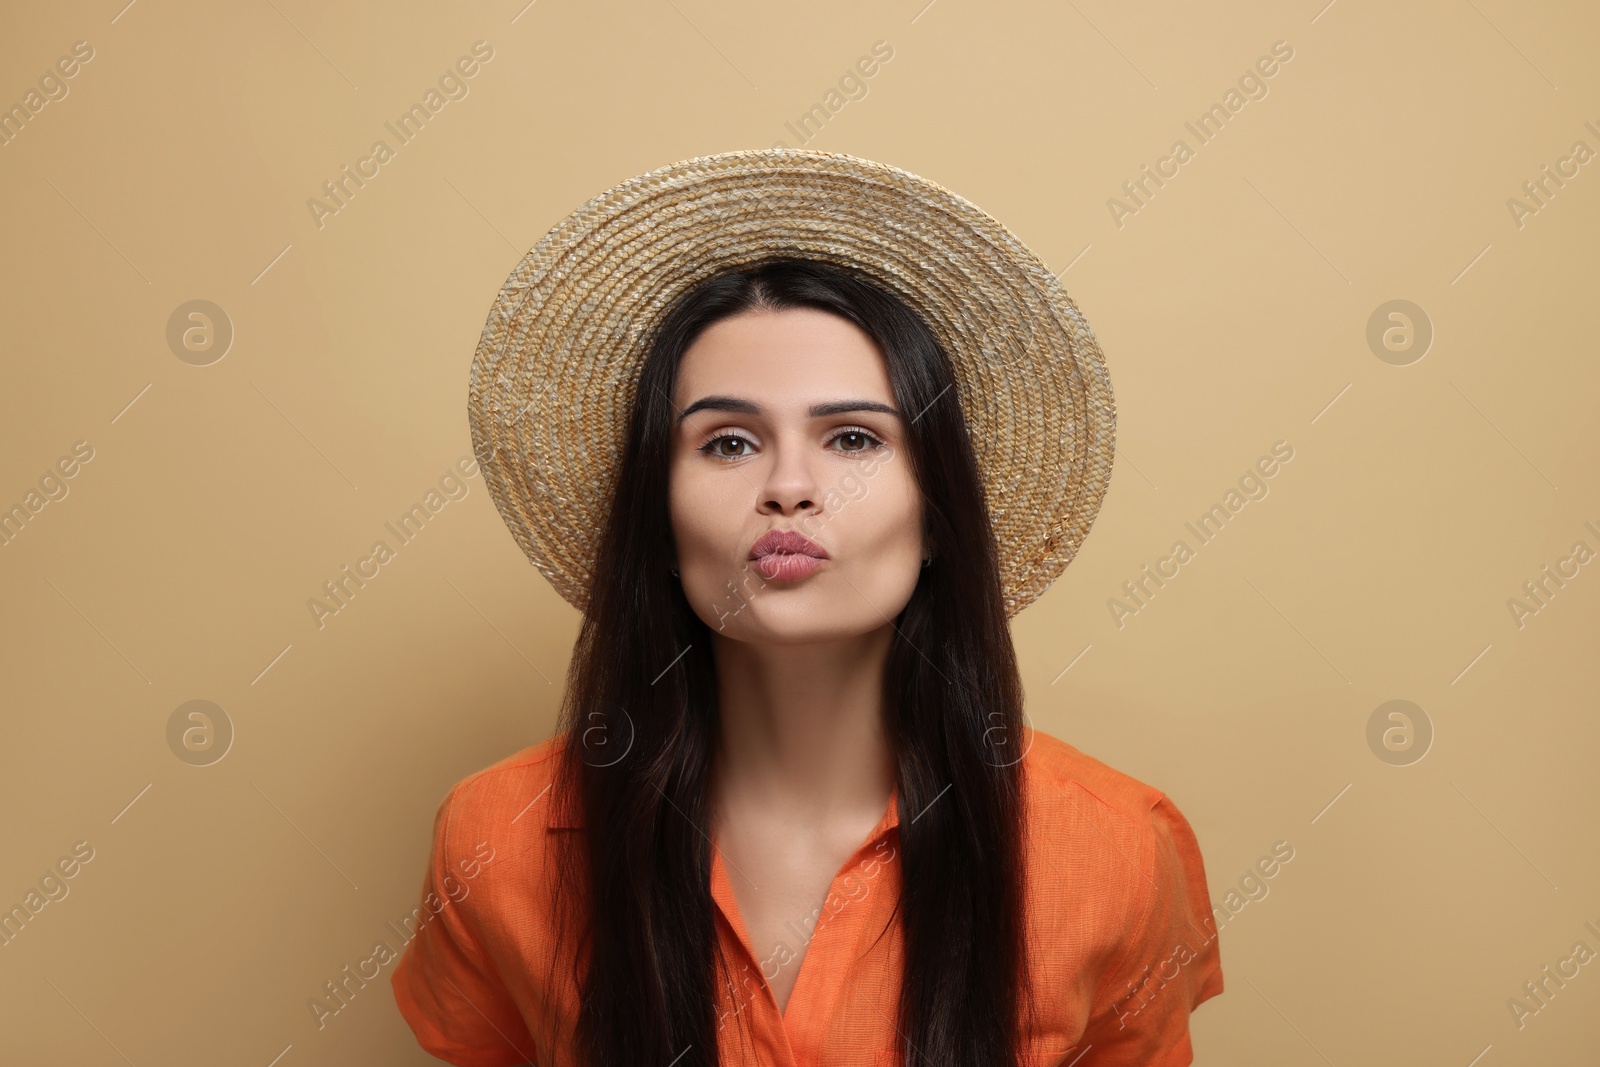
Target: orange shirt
1122, 943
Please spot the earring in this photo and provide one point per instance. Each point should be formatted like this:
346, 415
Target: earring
927, 560
674, 572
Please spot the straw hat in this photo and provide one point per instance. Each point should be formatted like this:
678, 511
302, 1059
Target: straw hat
554, 375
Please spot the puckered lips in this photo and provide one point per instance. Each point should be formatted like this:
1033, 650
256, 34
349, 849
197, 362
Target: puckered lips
786, 556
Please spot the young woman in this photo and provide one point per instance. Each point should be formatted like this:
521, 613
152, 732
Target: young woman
792, 813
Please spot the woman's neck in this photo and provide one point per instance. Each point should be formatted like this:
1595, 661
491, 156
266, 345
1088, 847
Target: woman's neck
802, 727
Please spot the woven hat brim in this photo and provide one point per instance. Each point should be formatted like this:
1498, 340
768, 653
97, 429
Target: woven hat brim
553, 379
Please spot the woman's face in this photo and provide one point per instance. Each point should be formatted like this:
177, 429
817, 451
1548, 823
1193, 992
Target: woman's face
787, 423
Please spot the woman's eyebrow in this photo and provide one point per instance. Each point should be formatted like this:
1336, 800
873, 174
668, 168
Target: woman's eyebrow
816, 411
842, 407
720, 403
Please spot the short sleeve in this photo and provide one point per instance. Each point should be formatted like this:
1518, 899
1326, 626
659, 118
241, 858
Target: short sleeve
1172, 965
445, 986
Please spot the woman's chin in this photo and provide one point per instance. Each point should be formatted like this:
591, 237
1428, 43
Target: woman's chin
802, 620
821, 606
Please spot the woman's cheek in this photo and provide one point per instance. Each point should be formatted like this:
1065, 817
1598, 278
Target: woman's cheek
703, 521
890, 555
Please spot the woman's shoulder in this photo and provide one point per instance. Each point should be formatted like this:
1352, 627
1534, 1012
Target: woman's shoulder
493, 832
481, 947
514, 790
535, 759
1062, 766
1069, 790
1118, 882
1113, 821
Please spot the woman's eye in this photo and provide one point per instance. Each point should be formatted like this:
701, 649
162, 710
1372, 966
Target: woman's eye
856, 441
728, 446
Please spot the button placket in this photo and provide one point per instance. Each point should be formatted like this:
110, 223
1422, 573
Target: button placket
812, 1006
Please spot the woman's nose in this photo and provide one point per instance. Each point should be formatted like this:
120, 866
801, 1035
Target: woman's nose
791, 484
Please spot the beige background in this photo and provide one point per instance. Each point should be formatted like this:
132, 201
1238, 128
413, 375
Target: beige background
1232, 308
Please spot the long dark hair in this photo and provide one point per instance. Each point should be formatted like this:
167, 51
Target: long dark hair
638, 879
